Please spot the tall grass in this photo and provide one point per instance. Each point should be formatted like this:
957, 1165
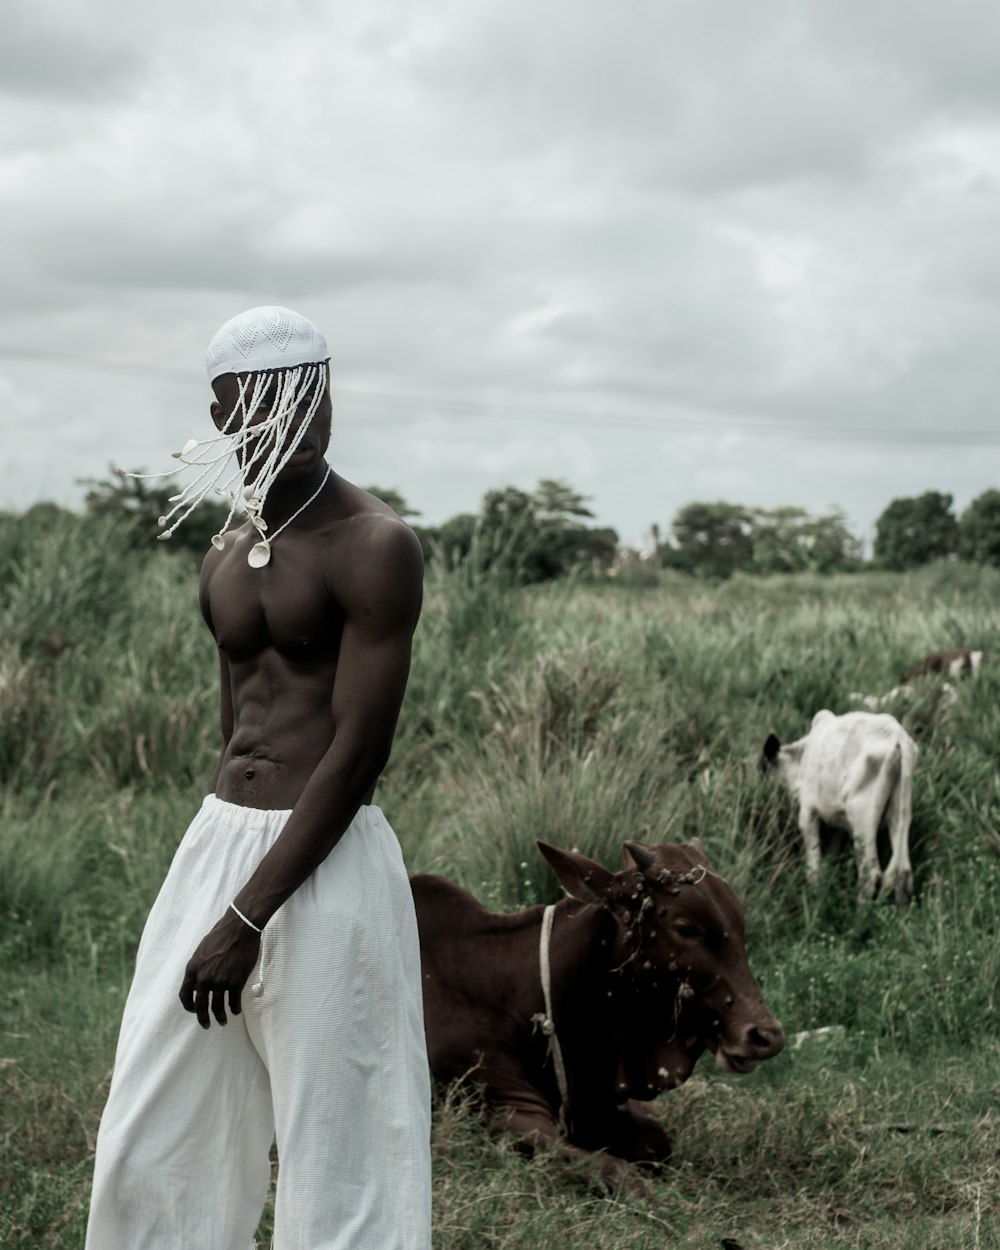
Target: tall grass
104, 672
583, 715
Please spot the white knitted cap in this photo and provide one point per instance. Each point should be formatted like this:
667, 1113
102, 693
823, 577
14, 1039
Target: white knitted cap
263, 338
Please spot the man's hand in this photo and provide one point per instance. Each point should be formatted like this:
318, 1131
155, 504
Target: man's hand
224, 959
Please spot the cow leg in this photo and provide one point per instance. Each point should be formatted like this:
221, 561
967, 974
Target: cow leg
864, 830
639, 1136
535, 1129
809, 827
530, 1129
899, 873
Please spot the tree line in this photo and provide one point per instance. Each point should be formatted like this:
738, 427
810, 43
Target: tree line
546, 533
536, 535
719, 539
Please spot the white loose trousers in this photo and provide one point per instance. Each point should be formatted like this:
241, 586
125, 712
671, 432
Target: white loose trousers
328, 1056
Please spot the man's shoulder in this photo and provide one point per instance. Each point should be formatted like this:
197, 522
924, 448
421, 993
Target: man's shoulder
371, 526
374, 558
380, 534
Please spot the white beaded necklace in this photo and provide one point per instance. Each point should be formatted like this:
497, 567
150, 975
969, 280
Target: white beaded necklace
260, 553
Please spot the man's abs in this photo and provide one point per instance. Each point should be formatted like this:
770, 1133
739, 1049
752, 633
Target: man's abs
282, 727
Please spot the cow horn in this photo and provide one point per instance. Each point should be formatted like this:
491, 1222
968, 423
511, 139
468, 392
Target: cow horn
644, 860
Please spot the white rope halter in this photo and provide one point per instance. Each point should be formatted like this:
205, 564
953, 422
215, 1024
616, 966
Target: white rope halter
546, 1021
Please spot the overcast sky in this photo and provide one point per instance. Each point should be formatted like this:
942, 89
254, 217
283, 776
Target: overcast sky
663, 250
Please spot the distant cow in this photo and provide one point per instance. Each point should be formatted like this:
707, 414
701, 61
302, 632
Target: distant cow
854, 770
951, 663
946, 698
570, 1017
878, 702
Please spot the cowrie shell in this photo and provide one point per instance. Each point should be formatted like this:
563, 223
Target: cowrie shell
260, 554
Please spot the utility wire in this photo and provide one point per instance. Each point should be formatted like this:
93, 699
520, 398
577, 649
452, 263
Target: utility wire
708, 423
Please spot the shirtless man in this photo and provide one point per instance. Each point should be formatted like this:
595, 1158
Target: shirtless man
288, 882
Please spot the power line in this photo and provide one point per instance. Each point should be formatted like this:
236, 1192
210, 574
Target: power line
703, 423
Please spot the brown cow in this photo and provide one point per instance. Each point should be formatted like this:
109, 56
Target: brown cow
951, 663
648, 969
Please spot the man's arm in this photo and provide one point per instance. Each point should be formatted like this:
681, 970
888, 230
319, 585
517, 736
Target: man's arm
380, 595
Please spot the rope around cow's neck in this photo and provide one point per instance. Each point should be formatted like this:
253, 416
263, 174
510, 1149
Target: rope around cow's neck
546, 1020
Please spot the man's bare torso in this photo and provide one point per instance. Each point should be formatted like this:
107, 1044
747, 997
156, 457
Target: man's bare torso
279, 629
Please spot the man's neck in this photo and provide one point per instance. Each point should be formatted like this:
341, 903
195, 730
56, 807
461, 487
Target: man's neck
284, 499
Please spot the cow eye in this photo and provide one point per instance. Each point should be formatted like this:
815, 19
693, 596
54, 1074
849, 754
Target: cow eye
684, 929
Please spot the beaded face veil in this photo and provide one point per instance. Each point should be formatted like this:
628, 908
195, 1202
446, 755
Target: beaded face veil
282, 365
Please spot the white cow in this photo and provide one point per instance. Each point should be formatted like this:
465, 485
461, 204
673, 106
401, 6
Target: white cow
854, 770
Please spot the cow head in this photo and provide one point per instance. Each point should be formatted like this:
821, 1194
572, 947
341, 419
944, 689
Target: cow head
786, 758
677, 970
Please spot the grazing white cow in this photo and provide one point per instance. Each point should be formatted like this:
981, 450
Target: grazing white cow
854, 770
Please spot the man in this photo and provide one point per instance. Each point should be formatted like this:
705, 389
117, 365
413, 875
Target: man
288, 882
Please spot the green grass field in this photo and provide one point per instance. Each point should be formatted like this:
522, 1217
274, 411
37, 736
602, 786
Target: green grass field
584, 714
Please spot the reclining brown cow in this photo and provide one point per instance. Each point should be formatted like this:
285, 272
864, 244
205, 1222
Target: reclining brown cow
646, 969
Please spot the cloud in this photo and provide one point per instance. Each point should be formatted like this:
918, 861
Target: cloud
83, 53
719, 218
701, 99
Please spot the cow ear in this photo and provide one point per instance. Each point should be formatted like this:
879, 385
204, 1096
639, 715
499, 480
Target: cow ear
701, 854
769, 755
582, 878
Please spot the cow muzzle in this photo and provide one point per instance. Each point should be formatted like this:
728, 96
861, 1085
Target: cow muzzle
752, 1044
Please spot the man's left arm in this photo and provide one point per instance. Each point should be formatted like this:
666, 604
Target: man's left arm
380, 597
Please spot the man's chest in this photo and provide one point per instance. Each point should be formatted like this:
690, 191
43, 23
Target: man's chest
286, 605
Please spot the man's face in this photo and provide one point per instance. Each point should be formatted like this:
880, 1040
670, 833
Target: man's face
314, 443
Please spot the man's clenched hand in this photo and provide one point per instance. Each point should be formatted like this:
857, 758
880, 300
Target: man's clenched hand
224, 959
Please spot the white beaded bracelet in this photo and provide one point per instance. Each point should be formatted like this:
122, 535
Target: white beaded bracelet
244, 919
